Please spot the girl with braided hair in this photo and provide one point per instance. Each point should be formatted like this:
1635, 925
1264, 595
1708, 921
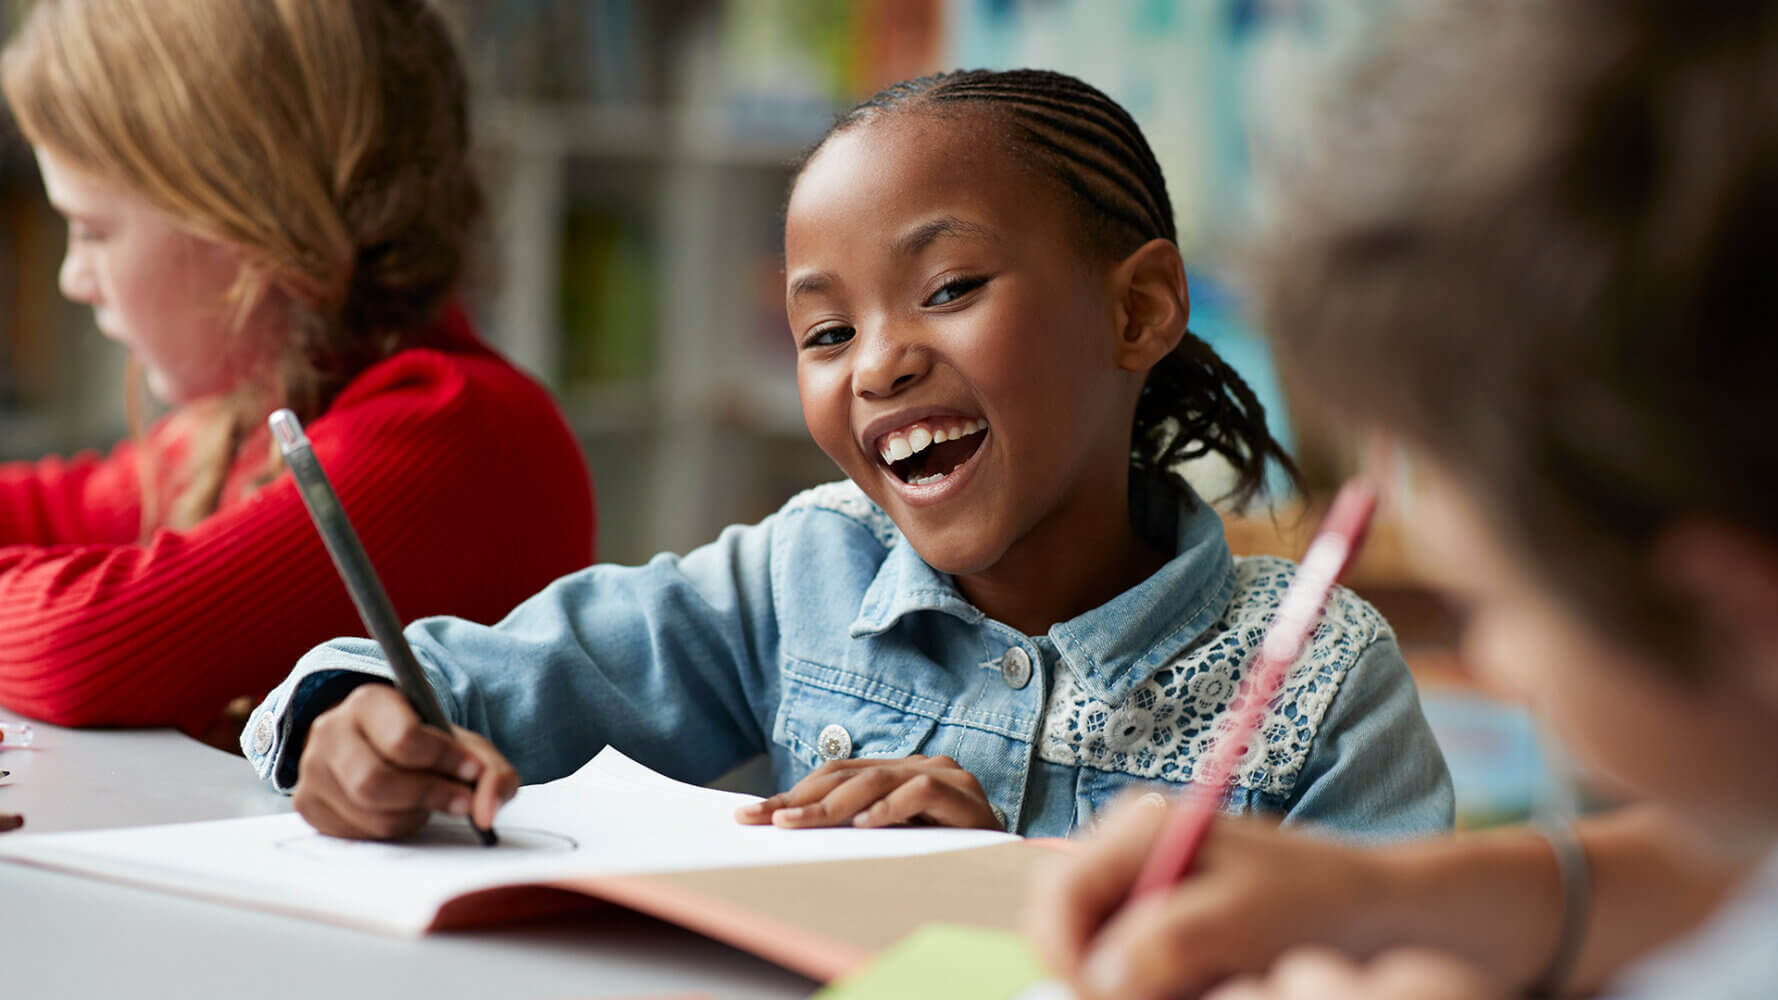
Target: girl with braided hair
1014, 608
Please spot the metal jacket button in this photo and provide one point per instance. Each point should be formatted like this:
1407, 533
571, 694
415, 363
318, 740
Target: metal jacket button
1015, 667
262, 734
834, 743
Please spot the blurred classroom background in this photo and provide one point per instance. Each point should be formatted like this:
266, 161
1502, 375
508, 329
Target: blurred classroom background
637, 155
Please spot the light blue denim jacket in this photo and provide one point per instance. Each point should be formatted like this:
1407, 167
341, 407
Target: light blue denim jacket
820, 633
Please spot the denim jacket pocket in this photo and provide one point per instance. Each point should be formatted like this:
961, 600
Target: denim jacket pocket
1096, 791
827, 714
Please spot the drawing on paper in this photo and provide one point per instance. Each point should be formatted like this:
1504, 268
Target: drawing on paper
432, 842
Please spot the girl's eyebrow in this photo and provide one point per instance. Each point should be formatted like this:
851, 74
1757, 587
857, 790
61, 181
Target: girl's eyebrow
907, 244
923, 235
809, 283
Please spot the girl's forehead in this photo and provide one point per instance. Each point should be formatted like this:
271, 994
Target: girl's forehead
913, 163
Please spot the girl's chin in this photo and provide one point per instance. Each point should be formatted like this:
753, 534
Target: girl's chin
954, 552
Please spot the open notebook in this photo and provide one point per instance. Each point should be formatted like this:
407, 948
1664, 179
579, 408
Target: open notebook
820, 902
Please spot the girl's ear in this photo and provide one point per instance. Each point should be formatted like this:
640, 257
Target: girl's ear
1731, 576
1152, 303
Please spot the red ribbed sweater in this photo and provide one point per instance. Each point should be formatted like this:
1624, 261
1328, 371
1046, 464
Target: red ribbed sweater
464, 483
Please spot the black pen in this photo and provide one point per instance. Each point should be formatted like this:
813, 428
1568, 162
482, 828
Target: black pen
361, 580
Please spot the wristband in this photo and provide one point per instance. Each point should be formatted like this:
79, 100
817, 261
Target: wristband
1572, 870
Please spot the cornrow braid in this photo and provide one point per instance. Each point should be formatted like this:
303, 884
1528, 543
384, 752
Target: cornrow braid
1193, 404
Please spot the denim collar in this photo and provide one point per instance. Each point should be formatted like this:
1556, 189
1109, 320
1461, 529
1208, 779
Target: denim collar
1111, 649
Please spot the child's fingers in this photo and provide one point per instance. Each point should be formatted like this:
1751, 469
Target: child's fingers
319, 799
1072, 896
1182, 941
1157, 948
497, 782
955, 802
369, 783
395, 731
347, 787
1306, 974
813, 788
849, 797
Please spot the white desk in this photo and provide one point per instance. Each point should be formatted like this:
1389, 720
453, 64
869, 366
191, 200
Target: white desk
65, 936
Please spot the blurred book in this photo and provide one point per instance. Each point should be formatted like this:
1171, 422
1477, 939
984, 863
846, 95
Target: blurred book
609, 286
1499, 766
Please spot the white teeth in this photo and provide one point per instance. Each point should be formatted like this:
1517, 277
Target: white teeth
897, 446
923, 480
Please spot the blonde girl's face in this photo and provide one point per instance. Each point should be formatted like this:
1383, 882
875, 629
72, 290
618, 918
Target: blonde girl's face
153, 287
955, 351
1696, 744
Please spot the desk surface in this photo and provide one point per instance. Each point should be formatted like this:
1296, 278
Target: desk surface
66, 936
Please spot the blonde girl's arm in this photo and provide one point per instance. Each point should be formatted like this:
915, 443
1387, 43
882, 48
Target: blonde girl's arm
83, 500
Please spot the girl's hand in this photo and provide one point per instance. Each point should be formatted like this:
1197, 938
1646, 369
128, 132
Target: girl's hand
935, 790
1254, 892
371, 769
1313, 974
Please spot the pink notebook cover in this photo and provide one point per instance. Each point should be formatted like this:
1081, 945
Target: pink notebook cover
821, 920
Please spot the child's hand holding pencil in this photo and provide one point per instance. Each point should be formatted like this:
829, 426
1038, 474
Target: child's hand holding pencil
371, 769
1254, 893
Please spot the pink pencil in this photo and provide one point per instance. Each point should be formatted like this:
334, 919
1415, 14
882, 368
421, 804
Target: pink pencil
1342, 532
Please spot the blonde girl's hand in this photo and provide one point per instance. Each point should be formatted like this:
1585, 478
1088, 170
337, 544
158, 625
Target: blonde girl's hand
1407, 974
372, 770
871, 793
1254, 893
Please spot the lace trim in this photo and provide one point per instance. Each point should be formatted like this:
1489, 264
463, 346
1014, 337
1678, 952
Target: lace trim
845, 498
1166, 726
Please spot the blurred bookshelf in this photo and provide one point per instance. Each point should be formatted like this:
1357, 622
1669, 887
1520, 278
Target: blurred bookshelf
637, 155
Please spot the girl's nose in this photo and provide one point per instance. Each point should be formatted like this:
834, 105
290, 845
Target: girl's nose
76, 278
888, 364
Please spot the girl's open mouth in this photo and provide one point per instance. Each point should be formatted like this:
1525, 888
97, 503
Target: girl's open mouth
926, 451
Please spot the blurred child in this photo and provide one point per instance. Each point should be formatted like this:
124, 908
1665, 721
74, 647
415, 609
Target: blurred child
1006, 615
268, 204
1538, 256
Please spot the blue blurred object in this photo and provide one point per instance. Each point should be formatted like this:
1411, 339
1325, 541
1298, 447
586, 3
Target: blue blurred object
1498, 765
1217, 319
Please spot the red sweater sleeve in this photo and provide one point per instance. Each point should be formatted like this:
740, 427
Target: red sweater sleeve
76, 501
466, 487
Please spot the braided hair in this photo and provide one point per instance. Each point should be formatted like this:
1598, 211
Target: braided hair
1193, 403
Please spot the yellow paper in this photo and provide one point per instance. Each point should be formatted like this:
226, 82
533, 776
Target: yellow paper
940, 961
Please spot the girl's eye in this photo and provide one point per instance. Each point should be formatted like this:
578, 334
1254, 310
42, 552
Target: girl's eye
79, 233
954, 289
829, 336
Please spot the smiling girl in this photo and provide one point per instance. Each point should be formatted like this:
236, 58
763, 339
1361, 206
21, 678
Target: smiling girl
1006, 615
268, 204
